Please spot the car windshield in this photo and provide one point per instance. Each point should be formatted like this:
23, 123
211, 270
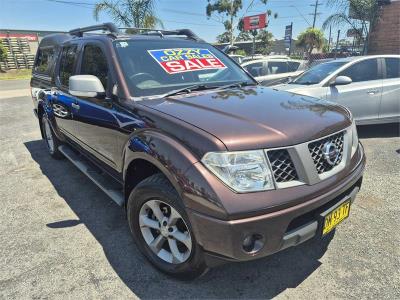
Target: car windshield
155, 67
317, 73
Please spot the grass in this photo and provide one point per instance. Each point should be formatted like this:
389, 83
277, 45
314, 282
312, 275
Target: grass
16, 74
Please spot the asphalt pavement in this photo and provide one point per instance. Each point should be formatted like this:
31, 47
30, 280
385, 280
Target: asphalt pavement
61, 237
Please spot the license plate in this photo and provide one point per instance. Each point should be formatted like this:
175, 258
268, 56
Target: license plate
336, 216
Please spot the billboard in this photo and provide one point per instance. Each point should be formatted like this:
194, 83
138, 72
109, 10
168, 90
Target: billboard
255, 22
29, 36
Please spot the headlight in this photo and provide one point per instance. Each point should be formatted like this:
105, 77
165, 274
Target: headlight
354, 135
243, 171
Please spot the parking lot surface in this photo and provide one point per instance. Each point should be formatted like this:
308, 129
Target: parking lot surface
61, 237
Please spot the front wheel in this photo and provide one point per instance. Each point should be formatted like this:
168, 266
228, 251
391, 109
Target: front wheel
161, 229
50, 138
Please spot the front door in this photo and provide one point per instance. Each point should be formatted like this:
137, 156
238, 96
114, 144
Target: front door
96, 124
363, 95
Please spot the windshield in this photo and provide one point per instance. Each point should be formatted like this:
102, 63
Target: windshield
317, 73
155, 67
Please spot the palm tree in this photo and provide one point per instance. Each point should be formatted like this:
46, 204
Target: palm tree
310, 39
364, 15
129, 13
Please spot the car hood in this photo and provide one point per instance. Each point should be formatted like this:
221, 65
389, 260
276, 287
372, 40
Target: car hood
255, 117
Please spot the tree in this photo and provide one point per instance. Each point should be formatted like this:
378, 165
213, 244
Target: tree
364, 15
266, 41
3, 52
226, 12
310, 39
129, 13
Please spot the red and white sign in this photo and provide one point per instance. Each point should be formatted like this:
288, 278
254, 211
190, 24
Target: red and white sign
29, 36
255, 22
186, 59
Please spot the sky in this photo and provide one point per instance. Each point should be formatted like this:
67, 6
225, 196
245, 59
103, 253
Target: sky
56, 15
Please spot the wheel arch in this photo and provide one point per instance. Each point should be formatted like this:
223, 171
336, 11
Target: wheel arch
150, 152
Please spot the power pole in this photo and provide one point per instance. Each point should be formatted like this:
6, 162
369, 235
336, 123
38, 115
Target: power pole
329, 40
315, 11
337, 43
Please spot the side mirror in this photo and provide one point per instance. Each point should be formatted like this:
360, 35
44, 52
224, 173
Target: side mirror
342, 80
86, 86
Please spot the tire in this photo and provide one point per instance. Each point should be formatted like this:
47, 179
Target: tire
52, 142
156, 191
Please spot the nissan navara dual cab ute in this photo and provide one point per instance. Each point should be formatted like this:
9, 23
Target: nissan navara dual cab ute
209, 165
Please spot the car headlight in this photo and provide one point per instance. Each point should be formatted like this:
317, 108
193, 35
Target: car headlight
243, 171
354, 135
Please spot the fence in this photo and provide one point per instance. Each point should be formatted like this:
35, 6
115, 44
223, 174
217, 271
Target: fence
18, 54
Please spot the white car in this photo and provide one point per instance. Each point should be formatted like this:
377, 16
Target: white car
369, 86
274, 70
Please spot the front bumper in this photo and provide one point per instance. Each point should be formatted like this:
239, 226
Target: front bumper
290, 226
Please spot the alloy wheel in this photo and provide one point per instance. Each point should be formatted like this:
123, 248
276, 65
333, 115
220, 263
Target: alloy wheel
165, 232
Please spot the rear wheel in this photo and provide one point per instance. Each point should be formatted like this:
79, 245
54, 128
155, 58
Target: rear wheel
51, 140
161, 229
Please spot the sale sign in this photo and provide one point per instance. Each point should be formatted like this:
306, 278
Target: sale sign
255, 22
179, 60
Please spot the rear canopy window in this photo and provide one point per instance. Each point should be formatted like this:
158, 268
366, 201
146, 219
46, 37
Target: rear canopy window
44, 60
156, 67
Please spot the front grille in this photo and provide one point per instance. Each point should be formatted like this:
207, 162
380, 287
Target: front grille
282, 165
316, 151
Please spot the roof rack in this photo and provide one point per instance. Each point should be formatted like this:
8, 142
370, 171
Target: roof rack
105, 26
161, 32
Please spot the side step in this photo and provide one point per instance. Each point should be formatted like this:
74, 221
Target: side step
109, 186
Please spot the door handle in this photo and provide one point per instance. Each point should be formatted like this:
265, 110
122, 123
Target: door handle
372, 92
76, 106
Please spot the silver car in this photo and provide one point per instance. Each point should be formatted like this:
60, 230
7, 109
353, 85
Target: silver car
368, 85
273, 70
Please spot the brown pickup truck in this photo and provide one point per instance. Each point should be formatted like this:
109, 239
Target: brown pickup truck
209, 165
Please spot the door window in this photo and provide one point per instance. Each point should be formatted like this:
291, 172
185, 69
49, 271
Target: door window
256, 69
277, 67
362, 71
68, 56
94, 62
392, 67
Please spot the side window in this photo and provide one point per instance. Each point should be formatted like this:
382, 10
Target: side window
293, 66
392, 67
44, 60
362, 71
94, 62
277, 67
255, 69
68, 56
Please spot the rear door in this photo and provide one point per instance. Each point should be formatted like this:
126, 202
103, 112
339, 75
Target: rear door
63, 104
363, 95
390, 104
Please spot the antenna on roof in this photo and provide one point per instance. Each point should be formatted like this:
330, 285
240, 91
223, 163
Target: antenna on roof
105, 26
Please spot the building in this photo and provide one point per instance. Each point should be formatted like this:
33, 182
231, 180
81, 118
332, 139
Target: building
385, 36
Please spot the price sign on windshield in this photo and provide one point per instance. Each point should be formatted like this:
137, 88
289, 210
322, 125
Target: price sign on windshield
181, 60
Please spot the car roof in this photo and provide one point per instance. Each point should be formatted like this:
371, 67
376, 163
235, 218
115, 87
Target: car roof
270, 59
355, 58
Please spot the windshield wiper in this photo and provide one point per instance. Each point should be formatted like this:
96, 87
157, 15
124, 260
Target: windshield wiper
188, 89
202, 87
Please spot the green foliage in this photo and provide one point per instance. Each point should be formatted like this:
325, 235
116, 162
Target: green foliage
3, 52
266, 42
311, 38
136, 13
241, 52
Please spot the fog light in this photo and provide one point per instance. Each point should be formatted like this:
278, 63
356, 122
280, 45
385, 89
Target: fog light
253, 243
